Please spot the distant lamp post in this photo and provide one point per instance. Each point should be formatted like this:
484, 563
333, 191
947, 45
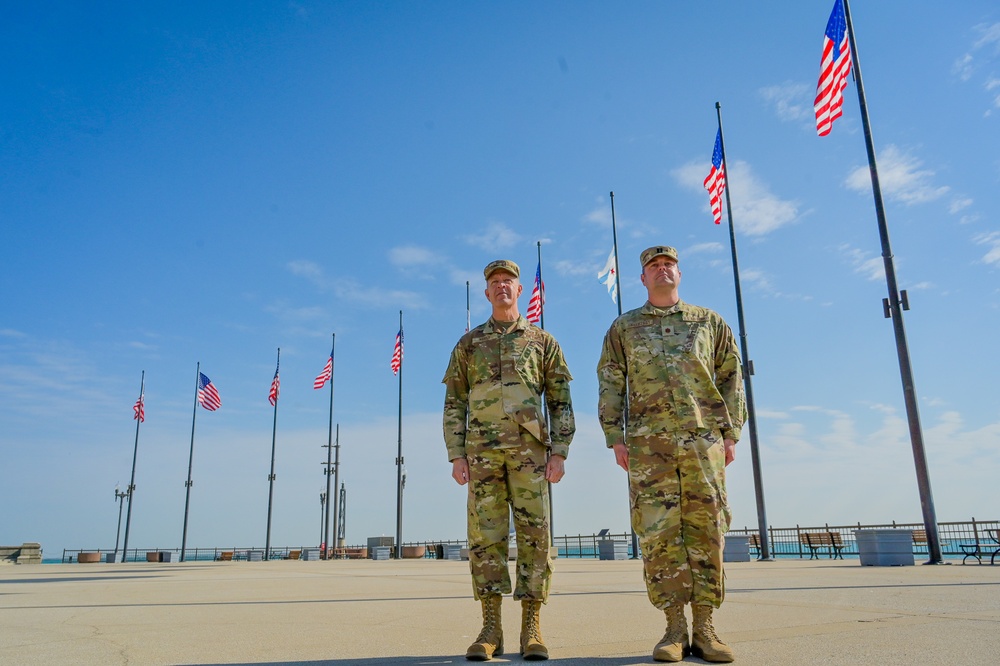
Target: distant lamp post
120, 496
322, 516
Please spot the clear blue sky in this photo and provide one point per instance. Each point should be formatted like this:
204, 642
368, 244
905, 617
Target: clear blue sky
184, 182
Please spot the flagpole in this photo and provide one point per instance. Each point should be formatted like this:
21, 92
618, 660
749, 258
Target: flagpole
131, 486
329, 447
618, 275
271, 477
894, 306
545, 404
189, 483
468, 309
336, 481
758, 479
618, 287
399, 450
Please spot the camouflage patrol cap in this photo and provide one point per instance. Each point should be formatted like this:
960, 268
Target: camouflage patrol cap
659, 251
502, 265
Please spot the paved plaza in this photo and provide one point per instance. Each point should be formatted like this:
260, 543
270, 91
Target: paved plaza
420, 612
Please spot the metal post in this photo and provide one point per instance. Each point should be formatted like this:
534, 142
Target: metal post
618, 286
758, 479
399, 452
336, 482
322, 516
271, 477
120, 496
326, 471
189, 483
131, 485
894, 311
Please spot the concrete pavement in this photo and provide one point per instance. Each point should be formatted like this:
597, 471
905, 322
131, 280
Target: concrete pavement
418, 612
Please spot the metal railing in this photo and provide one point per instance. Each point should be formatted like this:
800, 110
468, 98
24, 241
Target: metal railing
957, 540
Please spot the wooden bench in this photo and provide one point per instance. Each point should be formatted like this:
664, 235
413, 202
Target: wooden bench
293, 555
755, 541
225, 556
832, 541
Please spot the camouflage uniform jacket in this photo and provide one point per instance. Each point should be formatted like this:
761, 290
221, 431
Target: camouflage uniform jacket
683, 372
496, 379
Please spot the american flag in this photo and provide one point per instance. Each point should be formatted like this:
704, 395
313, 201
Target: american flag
537, 298
611, 270
397, 353
208, 395
272, 396
325, 376
140, 409
835, 67
715, 183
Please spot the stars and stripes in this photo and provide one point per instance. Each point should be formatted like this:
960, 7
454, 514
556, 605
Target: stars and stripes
139, 409
272, 396
325, 376
397, 353
534, 314
611, 271
715, 182
208, 395
835, 67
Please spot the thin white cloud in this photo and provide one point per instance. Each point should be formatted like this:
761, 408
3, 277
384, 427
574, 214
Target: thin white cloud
992, 241
347, 289
601, 215
496, 236
413, 256
756, 210
990, 34
959, 204
307, 269
573, 268
11, 333
704, 247
790, 100
981, 57
350, 289
863, 263
901, 177
963, 67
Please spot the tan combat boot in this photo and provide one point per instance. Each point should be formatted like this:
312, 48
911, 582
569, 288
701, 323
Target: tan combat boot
490, 639
674, 644
532, 647
705, 643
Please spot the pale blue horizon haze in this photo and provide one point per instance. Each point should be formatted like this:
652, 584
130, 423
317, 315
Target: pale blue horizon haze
192, 182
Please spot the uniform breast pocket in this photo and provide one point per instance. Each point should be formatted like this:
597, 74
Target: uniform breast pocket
698, 341
644, 345
529, 364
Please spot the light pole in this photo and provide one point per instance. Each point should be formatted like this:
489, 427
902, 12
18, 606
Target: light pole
322, 514
120, 496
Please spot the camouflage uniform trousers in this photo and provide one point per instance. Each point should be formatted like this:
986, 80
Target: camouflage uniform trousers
501, 480
677, 487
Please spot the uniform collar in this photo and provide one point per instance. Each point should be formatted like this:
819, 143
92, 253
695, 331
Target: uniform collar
651, 309
492, 326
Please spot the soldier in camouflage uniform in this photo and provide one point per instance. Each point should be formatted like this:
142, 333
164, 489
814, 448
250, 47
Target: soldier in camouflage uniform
675, 369
498, 442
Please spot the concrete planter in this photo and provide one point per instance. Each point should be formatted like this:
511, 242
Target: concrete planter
608, 549
88, 558
885, 547
413, 552
736, 549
